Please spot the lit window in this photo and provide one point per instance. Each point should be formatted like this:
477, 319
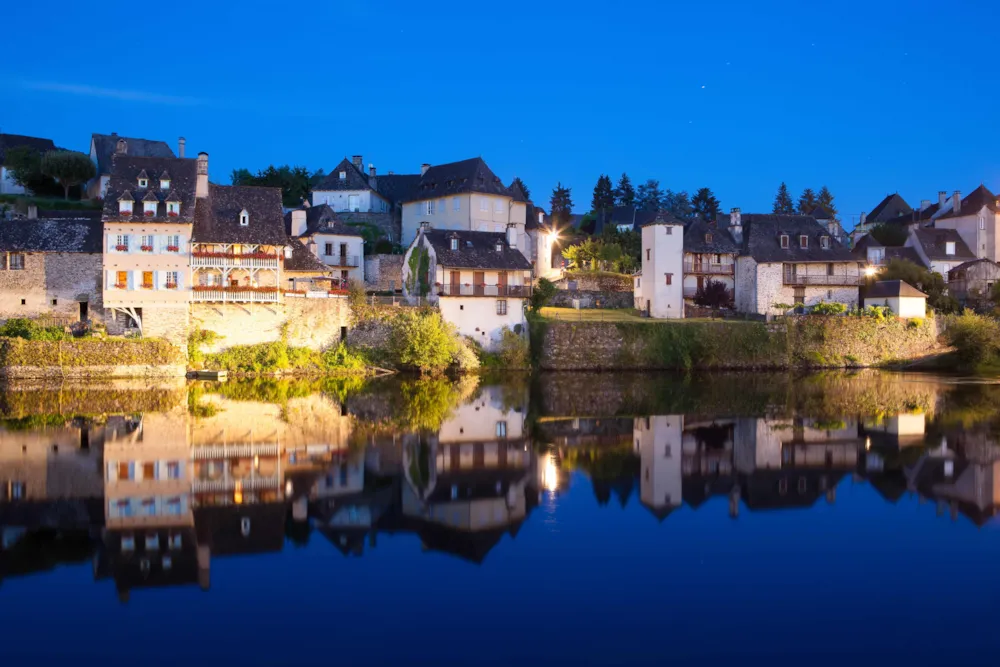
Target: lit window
244, 218
498, 206
16, 261
784, 240
949, 248
429, 207
501, 429
456, 204
501, 307
803, 241
147, 280
454, 244
164, 183
124, 207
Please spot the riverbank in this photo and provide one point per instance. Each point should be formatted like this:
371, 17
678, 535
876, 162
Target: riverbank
90, 358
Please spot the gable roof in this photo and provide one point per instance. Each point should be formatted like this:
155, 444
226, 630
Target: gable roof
443, 180
762, 239
884, 289
124, 185
9, 141
77, 235
698, 233
974, 203
106, 144
821, 213
934, 243
517, 192
354, 178
303, 260
476, 250
635, 218
321, 219
968, 265
889, 209
217, 216
397, 187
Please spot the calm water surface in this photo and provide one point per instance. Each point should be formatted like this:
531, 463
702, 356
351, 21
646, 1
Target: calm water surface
572, 519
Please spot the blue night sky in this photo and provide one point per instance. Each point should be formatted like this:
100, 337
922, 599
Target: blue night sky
867, 97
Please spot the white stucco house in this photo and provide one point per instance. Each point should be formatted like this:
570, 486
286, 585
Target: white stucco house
939, 249
349, 188
8, 186
902, 298
104, 146
659, 443
659, 289
479, 280
976, 219
542, 240
339, 246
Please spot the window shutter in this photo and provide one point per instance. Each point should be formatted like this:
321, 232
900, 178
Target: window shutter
160, 280
109, 281
111, 242
134, 278
112, 471
133, 243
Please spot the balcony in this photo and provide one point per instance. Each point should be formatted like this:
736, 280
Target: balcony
203, 293
710, 269
226, 260
234, 451
512, 291
346, 261
224, 484
824, 280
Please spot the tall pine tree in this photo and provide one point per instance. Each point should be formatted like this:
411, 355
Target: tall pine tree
649, 196
825, 202
807, 202
524, 188
783, 204
625, 193
561, 206
704, 204
604, 196
678, 203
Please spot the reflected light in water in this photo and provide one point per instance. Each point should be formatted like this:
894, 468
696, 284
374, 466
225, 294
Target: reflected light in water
550, 473
238, 493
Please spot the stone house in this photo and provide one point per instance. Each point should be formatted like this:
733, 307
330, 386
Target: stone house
103, 147
303, 271
8, 186
464, 196
709, 255
339, 246
658, 290
479, 280
974, 280
51, 265
976, 219
892, 209
939, 249
790, 259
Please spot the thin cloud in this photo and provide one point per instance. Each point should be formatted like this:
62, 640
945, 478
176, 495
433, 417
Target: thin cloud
112, 93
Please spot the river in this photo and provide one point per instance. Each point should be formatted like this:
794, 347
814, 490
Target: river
565, 519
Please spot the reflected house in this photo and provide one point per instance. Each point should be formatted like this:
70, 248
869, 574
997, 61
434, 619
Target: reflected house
707, 461
659, 444
962, 474
898, 430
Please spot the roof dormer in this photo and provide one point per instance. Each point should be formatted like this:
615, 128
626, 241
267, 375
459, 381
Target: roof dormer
708, 237
244, 218
125, 203
173, 205
143, 179
149, 204
824, 242
499, 246
164, 181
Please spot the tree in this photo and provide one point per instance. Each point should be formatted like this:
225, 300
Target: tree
825, 202
25, 166
930, 283
624, 192
421, 340
678, 203
542, 294
561, 205
649, 197
584, 255
604, 197
68, 168
705, 205
783, 204
296, 183
889, 235
241, 177
524, 188
807, 202
714, 294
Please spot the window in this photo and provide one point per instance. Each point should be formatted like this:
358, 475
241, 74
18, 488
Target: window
244, 218
343, 175
498, 206
353, 202
670, 278
454, 244
125, 207
149, 470
484, 204
638, 282
784, 240
125, 470
949, 248
717, 259
501, 307
149, 208
456, 204
174, 507
173, 470
171, 280
147, 280
173, 209
666, 452
15, 491
167, 562
327, 249
121, 279
147, 508
121, 242
146, 243
164, 183
982, 223
16, 261
499, 246
803, 241
501, 429
829, 269
174, 541
824, 242
152, 542
143, 182
174, 243
124, 507
429, 207
708, 238
647, 253
128, 542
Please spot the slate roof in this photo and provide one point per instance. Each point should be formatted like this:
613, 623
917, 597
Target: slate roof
627, 215
531, 217
885, 289
354, 178
762, 239
8, 141
516, 192
106, 144
889, 209
476, 250
322, 219
303, 260
83, 235
934, 243
125, 179
697, 234
217, 217
904, 253
454, 178
967, 265
821, 213
397, 187
974, 203
393, 187
865, 242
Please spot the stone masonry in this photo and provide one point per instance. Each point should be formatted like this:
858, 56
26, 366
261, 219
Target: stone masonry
313, 323
52, 284
384, 272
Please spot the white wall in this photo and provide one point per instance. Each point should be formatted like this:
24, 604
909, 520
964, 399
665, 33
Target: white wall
476, 316
8, 186
355, 248
660, 455
339, 200
907, 306
662, 254
469, 216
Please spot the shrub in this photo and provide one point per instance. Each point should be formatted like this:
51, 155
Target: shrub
422, 341
714, 294
824, 308
31, 330
976, 339
196, 340
466, 357
340, 358
542, 294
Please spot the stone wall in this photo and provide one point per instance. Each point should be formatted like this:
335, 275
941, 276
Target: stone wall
592, 299
799, 342
384, 272
53, 284
597, 281
312, 323
387, 223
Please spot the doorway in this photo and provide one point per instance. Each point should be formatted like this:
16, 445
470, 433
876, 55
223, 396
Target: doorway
84, 311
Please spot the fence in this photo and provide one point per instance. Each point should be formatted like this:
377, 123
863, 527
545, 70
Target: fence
398, 301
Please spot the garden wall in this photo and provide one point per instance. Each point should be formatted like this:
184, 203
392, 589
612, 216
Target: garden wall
312, 323
592, 299
597, 281
89, 358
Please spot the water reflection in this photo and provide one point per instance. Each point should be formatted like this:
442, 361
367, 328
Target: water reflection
154, 485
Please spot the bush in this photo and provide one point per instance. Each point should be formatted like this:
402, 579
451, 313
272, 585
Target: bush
280, 357
976, 339
512, 352
466, 358
542, 294
714, 294
422, 341
824, 308
31, 330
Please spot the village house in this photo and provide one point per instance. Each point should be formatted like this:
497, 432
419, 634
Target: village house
339, 246
790, 259
902, 298
709, 256
464, 196
976, 219
103, 147
542, 244
8, 186
658, 290
479, 280
50, 264
892, 209
876, 254
939, 249
658, 443
304, 272
972, 282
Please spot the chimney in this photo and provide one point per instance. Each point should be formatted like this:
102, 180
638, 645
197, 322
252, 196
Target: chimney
298, 222
180, 147
423, 168
32, 211
864, 217
372, 179
201, 189
942, 197
925, 204
121, 148
736, 225
541, 217
358, 162
956, 201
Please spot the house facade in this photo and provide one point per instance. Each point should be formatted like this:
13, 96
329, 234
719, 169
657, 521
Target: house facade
542, 241
976, 218
709, 256
658, 291
339, 246
103, 148
464, 196
349, 188
659, 444
8, 186
479, 280
902, 298
972, 282
939, 249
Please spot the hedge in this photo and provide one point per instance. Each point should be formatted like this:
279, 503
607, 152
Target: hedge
87, 352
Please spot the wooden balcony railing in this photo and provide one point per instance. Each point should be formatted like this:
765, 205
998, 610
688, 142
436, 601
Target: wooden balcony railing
346, 261
236, 294
823, 281
711, 269
514, 291
201, 260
